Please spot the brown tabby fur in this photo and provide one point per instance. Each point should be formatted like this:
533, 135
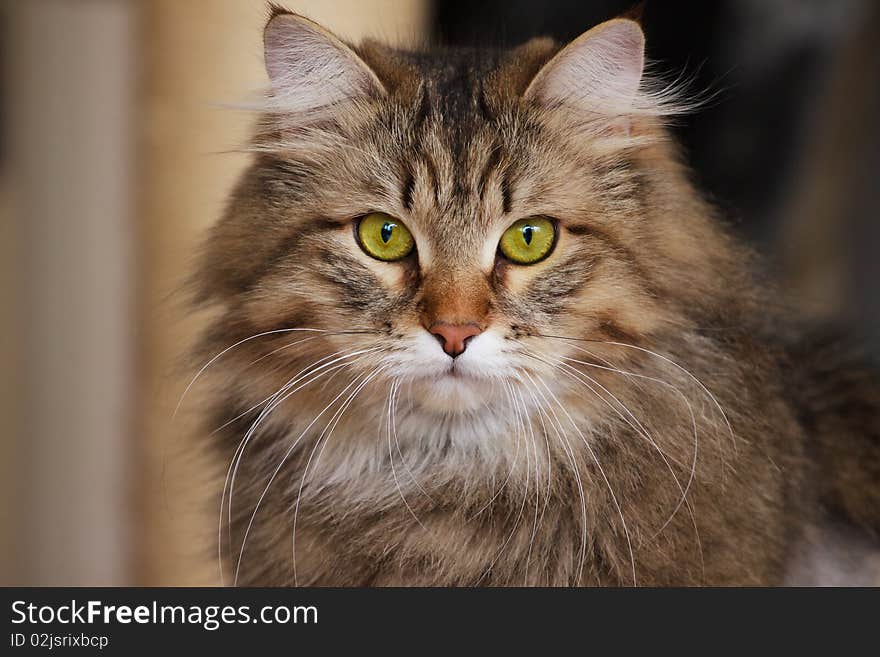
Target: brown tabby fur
568, 472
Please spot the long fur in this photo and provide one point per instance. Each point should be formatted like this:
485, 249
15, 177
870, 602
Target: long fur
627, 414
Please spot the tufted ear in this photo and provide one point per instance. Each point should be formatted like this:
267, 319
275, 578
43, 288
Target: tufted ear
599, 72
310, 69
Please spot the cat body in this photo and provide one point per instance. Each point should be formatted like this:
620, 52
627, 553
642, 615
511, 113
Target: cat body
450, 400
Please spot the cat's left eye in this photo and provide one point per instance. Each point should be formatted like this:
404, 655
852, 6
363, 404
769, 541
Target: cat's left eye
383, 237
528, 240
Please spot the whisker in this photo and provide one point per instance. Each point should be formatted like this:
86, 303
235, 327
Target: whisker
566, 445
537, 489
269, 398
275, 474
643, 433
525, 497
288, 389
687, 403
226, 483
666, 359
604, 477
640, 429
282, 348
393, 420
274, 400
503, 485
328, 430
549, 464
391, 461
637, 427
228, 349
315, 374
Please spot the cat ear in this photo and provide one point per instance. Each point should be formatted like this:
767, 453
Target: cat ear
310, 69
599, 72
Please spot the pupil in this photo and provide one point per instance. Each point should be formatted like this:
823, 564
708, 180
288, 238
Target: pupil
387, 229
527, 234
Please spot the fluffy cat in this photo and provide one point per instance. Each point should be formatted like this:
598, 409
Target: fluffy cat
476, 327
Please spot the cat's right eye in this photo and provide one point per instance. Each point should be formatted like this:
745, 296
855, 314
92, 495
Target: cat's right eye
383, 237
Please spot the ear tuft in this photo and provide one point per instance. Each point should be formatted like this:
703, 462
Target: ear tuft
309, 68
599, 72
274, 10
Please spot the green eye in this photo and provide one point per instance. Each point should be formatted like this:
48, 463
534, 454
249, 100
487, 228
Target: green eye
528, 240
384, 237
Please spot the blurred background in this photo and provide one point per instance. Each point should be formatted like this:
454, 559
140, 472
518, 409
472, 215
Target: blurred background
116, 153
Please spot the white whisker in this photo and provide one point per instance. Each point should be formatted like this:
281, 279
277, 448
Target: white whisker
277, 470
556, 424
309, 374
525, 497
604, 477
391, 460
687, 403
328, 430
226, 350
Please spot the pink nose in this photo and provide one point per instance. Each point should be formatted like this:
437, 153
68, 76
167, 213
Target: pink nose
454, 337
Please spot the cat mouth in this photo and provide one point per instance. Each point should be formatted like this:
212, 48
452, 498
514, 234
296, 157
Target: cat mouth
450, 374
453, 374
452, 390
457, 373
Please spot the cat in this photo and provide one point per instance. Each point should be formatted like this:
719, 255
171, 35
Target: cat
475, 326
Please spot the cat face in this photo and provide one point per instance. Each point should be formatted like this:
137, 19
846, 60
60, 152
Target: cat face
440, 222
450, 280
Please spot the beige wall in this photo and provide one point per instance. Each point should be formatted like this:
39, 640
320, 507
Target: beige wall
68, 288
200, 55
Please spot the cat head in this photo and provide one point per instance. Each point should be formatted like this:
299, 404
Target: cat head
444, 219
